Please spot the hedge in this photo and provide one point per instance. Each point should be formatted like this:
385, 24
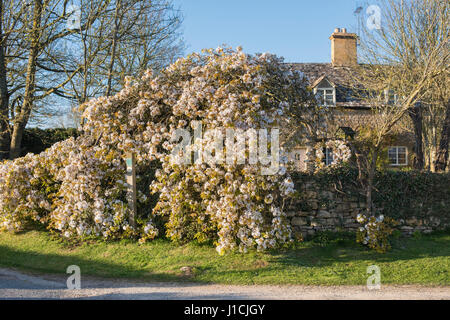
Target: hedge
36, 140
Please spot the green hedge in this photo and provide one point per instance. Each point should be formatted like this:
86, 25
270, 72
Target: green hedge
401, 194
412, 193
36, 140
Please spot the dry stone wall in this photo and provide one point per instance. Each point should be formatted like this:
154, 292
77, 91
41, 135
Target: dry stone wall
320, 209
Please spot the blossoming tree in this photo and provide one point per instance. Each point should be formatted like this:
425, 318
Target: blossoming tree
229, 202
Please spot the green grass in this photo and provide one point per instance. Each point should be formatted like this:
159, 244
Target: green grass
421, 260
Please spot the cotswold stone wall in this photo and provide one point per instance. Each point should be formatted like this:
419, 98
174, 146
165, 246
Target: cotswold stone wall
327, 208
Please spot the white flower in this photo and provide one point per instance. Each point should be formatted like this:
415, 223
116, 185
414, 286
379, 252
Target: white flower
268, 199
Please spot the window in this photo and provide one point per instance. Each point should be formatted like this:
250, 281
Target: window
299, 158
328, 156
326, 96
390, 97
398, 156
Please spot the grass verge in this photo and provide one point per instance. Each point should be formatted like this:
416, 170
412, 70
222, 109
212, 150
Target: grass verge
422, 260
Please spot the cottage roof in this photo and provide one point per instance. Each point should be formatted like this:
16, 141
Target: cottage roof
339, 77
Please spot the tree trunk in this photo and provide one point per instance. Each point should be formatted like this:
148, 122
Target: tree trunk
310, 155
416, 116
30, 83
443, 154
113, 48
370, 180
4, 96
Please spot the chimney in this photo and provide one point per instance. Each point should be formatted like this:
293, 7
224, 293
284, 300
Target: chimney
343, 48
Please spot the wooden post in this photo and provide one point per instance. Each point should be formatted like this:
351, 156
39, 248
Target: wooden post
131, 192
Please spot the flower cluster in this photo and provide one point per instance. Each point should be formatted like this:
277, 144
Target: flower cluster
74, 187
375, 232
24, 193
340, 151
231, 203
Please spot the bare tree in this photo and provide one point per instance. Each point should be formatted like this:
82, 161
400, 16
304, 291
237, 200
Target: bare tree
49, 63
144, 36
442, 157
4, 95
11, 14
435, 119
45, 24
401, 62
130, 37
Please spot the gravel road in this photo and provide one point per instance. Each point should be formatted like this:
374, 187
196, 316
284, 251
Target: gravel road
18, 285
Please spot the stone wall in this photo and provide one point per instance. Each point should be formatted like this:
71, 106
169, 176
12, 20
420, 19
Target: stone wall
318, 209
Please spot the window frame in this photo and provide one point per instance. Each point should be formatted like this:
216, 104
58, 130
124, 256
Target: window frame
397, 164
390, 97
324, 89
327, 156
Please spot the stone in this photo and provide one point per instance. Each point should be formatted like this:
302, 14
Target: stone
309, 185
327, 195
435, 221
311, 194
291, 214
315, 223
411, 221
187, 271
314, 205
323, 214
353, 205
299, 221
328, 222
349, 221
347, 215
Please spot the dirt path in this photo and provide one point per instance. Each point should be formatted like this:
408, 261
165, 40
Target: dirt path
17, 285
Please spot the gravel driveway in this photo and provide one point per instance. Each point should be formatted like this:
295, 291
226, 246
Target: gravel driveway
17, 285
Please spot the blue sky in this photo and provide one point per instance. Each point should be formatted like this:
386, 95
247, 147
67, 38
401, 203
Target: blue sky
295, 29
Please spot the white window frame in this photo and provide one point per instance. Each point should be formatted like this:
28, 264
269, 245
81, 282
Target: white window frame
397, 164
324, 94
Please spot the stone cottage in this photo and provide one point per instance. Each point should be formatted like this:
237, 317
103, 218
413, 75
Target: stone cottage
331, 82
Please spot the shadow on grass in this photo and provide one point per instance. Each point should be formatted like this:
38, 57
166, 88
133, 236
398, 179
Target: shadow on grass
313, 254
57, 264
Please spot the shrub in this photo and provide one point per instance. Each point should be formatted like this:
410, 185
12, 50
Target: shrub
23, 193
375, 232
